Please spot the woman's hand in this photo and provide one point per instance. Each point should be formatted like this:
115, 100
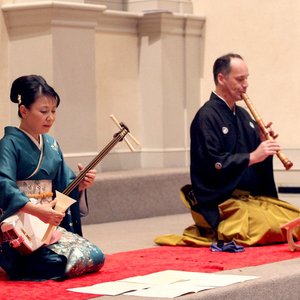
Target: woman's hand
88, 179
44, 212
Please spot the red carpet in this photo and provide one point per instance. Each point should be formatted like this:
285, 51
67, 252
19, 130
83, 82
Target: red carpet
141, 262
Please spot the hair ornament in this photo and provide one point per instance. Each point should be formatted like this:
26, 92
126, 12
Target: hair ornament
19, 99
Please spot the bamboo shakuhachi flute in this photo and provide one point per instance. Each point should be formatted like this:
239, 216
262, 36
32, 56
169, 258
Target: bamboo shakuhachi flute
285, 161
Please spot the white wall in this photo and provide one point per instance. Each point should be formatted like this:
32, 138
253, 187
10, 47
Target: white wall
267, 35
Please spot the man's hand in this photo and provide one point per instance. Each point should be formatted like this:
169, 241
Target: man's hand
265, 149
270, 131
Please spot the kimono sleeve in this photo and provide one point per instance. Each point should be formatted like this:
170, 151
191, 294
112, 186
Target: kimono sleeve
11, 198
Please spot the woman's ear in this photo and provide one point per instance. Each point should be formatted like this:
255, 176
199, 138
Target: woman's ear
23, 111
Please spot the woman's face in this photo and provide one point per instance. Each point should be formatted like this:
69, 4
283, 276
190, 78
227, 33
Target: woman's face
39, 118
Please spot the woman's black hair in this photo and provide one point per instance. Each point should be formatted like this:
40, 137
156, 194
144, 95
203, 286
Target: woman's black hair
26, 89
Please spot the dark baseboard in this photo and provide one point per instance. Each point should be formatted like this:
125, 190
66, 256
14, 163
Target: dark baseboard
289, 190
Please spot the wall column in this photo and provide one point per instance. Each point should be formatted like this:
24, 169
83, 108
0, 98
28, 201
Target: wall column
169, 85
57, 40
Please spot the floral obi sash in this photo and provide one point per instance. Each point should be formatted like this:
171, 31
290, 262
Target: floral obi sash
39, 191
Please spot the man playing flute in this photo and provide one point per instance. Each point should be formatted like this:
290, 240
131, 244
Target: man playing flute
233, 196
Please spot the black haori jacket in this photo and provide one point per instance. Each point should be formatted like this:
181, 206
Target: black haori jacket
221, 141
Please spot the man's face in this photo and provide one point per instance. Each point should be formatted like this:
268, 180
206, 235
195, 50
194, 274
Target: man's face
235, 83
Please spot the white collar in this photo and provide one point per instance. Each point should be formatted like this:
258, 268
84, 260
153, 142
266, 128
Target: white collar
38, 144
233, 110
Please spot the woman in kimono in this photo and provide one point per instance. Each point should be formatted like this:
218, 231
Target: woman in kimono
32, 168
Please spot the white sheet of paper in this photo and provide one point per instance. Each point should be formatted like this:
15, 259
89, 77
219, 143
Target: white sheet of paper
111, 288
167, 284
198, 278
162, 277
216, 280
169, 290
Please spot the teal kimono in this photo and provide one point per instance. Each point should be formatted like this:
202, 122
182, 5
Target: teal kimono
19, 158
